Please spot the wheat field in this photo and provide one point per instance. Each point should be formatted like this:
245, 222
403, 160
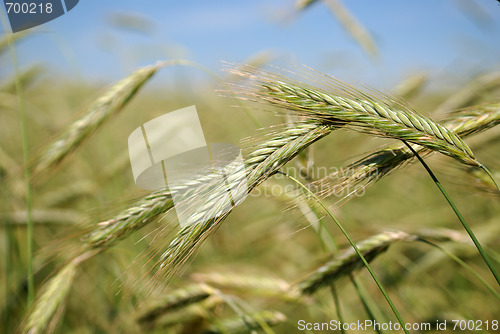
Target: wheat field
360, 205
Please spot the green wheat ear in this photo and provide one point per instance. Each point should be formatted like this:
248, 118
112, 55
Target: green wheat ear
371, 168
348, 261
353, 109
109, 104
53, 296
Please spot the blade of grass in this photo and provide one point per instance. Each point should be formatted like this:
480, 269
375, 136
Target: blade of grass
463, 264
458, 214
365, 303
335, 296
328, 241
27, 172
356, 249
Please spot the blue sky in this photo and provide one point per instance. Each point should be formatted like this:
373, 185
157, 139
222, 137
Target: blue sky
431, 35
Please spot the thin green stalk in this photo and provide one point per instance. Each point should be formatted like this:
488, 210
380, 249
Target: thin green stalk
356, 249
329, 243
458, 214
27, 172
321, 230
337, 305
364, 302
9, 240
494, 255
463, 264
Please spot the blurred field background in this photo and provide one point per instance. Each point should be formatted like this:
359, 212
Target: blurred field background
267, 244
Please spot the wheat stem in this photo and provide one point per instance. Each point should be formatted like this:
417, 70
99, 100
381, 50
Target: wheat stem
358, 252
364, 302
25, 147
459, 215
463, 264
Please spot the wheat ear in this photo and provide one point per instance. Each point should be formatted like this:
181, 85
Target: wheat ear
247, 323
110, 103
346, 262
366, 171
260, 162
353, 109
173, 301
263, 162
254, 285
52, 297
194, 314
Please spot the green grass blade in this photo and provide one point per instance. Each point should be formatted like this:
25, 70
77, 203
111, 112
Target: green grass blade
364, 302
465, 265
356, 249
27, 172
459, 215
